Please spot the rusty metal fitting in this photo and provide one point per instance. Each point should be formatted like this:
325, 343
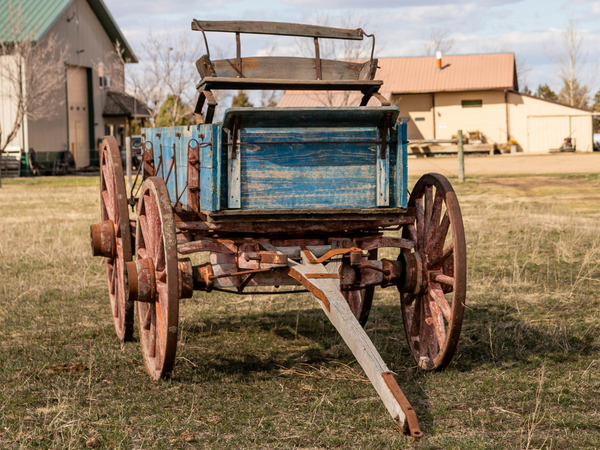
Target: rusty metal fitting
186, 279
273, 258
102, 236
393, 273
356, 257
141, 281
415, 281
203, 277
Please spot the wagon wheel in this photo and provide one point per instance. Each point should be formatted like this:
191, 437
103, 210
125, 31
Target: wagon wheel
156, 243
113, 204
360, 301
433, 311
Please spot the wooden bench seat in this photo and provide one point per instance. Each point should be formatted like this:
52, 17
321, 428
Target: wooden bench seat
364, 86
282, 73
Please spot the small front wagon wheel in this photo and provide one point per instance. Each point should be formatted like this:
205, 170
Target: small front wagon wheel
433, 299
155, 273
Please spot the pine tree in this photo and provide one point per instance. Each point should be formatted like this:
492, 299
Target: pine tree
544, 91
241, 101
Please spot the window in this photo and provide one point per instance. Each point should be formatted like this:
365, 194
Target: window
471, 103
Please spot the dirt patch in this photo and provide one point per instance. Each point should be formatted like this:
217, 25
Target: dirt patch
508, 164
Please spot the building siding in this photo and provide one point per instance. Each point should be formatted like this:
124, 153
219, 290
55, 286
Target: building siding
83, 32
451, 116
540, 126
418, 109
8, 105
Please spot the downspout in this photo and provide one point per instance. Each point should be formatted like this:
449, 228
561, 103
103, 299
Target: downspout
507, 115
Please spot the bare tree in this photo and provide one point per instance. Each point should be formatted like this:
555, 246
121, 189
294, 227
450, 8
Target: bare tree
167, 70
31, 73
571, 60
269, 97
337, 49
439, 40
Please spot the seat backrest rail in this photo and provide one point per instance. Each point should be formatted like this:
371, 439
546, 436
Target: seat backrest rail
280, 29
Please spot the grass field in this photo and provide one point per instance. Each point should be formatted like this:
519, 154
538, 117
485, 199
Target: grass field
271, 372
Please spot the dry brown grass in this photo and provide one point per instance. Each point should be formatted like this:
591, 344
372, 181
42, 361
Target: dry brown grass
270, 372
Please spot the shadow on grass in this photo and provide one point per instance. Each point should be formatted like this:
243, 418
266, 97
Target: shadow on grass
259, 345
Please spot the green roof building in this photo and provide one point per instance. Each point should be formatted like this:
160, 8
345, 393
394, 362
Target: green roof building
93, 69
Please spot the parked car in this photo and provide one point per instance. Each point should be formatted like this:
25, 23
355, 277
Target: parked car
136, 152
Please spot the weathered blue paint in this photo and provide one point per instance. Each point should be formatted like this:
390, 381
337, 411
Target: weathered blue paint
308, 168
383, 171
290, 158
177, 138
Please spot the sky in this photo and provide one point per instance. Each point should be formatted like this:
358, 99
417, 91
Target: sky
529, 28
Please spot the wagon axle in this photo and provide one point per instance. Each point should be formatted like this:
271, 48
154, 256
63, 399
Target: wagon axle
354, 273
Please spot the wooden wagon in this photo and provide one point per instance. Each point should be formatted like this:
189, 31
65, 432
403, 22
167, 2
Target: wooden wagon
285, 197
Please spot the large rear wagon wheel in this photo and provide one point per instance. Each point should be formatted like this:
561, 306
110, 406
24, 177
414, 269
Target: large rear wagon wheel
113, 204
156, 253
433, 312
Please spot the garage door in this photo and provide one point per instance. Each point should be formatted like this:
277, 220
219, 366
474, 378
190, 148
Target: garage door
546, 133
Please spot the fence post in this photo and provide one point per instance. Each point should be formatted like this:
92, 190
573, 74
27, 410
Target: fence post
128, 158
461, 158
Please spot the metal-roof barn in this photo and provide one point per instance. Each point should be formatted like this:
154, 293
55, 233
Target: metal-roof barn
92, 99
474, 93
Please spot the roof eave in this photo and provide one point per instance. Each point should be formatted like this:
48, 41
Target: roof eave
499, 88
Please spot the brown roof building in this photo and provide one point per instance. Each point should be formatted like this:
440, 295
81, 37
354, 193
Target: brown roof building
474, 93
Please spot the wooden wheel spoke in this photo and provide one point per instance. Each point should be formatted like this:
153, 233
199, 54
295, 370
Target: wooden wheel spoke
441, 278
428, 210
440, 236
438, 321
160, 255
151, 344
420, 222
440, 260
415, 321
160, 315
146, 235
435, 219
107, 175
412, 232
437, 294
147, 322
110, 209
425, 330
142, 252
113, 280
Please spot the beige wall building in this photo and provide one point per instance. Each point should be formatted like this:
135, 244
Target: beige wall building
470, 93
93, 72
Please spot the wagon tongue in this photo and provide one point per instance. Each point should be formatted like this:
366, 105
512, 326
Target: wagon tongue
324, 283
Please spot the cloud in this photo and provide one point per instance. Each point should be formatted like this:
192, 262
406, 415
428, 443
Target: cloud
392, 4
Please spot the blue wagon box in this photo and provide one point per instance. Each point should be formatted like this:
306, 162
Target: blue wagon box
289, 158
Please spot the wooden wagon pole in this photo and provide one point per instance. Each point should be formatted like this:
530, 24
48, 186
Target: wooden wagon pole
325, 285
